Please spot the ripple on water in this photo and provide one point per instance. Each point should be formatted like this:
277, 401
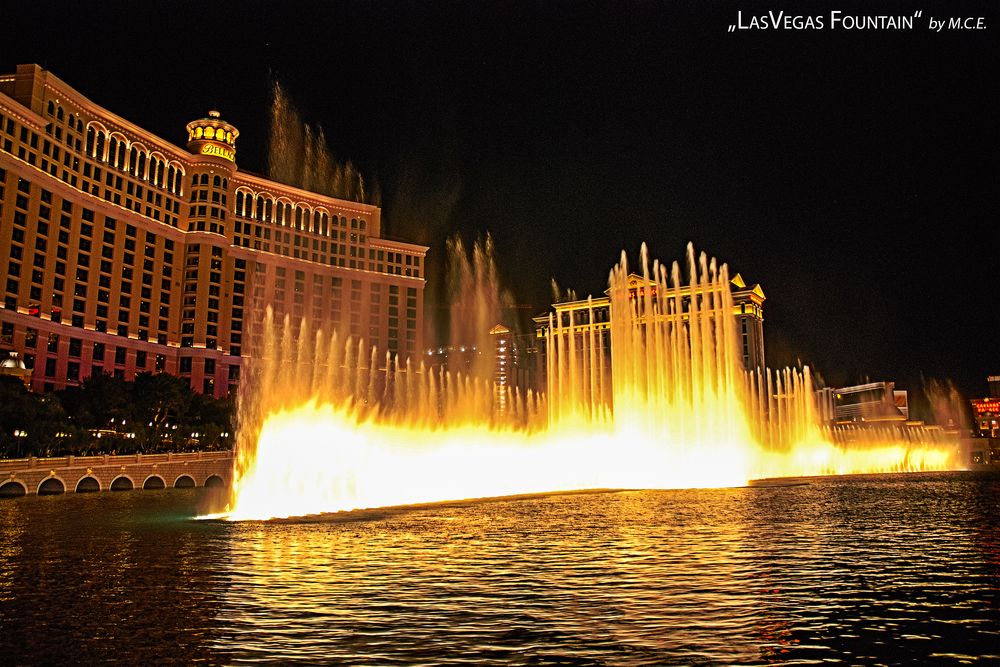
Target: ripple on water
876, 569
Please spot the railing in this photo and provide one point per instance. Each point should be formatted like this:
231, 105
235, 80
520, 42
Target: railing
7, 465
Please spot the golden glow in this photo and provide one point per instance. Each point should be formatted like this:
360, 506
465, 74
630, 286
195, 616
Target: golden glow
219, 151
331, 428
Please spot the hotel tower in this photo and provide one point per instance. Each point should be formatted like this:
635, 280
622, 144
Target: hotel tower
122, 253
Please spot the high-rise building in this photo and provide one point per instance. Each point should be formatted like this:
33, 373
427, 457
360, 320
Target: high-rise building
122, 253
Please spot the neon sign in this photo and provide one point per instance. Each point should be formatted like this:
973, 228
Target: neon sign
219, 151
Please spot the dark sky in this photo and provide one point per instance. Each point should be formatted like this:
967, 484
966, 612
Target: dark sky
853, 174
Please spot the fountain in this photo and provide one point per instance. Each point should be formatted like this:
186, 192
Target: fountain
299, 155
327, 425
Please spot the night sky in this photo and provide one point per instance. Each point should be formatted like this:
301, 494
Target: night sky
853, 174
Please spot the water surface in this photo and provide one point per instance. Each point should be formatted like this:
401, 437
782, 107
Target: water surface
890, 569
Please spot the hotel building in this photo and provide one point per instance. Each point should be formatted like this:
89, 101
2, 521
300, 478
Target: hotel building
122, 253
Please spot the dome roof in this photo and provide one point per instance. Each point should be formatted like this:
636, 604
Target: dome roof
12, 362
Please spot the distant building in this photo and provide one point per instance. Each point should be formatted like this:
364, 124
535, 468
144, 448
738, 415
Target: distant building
122, 253
986, 411
874, 401
505, 356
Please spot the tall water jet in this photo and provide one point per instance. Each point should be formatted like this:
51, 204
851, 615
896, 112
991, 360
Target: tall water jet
299, 155
476, 301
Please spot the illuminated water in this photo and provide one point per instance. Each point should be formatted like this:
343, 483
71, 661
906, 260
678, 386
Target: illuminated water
674, 409
894, 569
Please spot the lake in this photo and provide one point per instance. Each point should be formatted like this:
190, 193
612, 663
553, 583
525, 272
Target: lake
891, 569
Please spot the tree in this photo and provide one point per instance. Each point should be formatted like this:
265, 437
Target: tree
30, 424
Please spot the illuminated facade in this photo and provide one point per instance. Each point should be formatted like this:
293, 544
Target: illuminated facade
122, 253
870, 402
594, 315
985, 445
986, 411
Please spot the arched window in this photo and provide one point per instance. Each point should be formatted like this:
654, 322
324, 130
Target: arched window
140, 166
204, 179
91, 141
260, 208
160, 167
239, 203
79, 125
269, 211
71, 121
100, 147
51, 109
171, 172
59, 113
116, 152
225, 184
217, 181
298, 218
281, 214
133, 161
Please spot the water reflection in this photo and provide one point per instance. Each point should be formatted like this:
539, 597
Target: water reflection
106, 577
874, 569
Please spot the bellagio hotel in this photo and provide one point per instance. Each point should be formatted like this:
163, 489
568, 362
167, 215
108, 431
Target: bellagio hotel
122, 253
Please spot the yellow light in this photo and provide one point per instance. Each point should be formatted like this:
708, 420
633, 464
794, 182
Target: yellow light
219, 151
673, 410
